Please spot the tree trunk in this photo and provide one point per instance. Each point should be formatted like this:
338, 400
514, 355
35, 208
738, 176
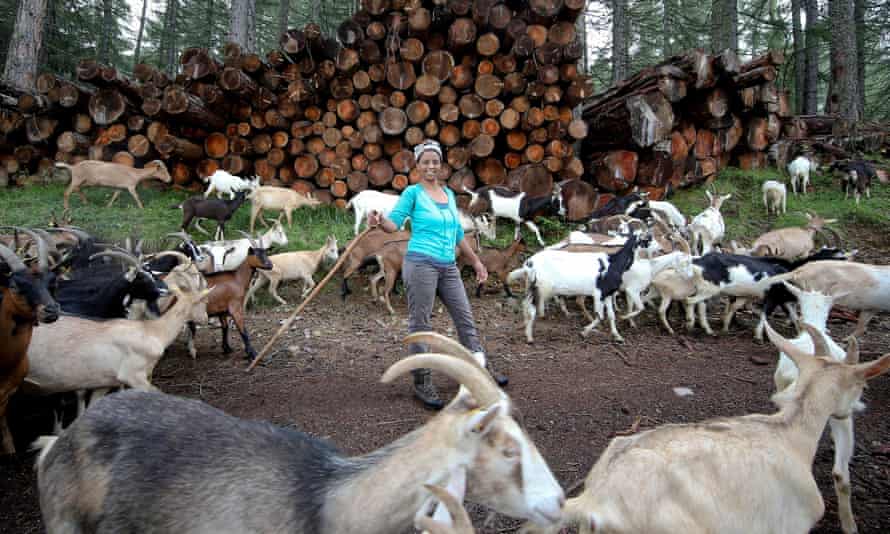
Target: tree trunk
104, 50
242, 24
718, 20
283, 11
843, 97
859, 26
811, 80
799, 59
666, 30
137, 54
620, 57
24, 46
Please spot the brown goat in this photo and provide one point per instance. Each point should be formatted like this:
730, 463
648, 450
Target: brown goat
227, 298
372, 242
102, 173
498, 262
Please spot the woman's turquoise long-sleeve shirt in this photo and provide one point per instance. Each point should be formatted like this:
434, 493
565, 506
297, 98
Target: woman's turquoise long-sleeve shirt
435, 230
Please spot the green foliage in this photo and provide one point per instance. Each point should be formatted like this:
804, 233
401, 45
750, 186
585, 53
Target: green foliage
746, 217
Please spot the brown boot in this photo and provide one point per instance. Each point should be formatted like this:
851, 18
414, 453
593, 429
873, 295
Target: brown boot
425, 390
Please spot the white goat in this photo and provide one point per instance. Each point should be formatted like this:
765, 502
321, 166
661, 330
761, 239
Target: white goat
107, 174
369, 200
669, 212
300, 265
644, 270
280, 199
516, 206
814, 309
800, 170
222, 182
707, 227
74, 353
858, 286
482, 224
733, 475
229, 255
254, 477
774, 197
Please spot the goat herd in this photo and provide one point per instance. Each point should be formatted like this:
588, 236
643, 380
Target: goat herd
79, 315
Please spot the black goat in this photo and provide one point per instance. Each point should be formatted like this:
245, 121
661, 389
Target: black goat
633, 204
210, 208
105, 291
166, 263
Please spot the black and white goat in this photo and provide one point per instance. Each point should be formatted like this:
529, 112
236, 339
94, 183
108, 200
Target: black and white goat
560, 273
513, 205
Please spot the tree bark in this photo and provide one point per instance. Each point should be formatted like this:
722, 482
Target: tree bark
104, 50
620, 57
859, 26
283, 11
799, 59
24, 46
811, 80
242, 26
843, 97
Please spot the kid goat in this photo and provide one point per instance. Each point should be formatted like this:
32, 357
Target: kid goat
800, 170
300, 265
222, 182
25, 301
235, 475
689, 477
707, 227
101, 173
517, 206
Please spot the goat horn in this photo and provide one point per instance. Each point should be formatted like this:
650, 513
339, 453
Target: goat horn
470, 375
820, 343
15, 263
42, 247
119, 255
439, 343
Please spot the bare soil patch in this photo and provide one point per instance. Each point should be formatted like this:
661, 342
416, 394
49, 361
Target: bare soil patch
574, 393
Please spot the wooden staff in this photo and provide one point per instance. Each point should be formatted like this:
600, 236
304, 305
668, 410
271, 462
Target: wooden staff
308, 299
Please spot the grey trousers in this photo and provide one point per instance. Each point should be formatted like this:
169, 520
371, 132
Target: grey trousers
424, 281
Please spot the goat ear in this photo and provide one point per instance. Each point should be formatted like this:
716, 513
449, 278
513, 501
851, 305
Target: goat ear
829, 221
709, 195
875, 368
724, 198
481, 421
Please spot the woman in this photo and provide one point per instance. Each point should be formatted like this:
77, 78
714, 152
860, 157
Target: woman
429, 267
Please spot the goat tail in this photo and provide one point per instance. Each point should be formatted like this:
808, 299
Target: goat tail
43, 444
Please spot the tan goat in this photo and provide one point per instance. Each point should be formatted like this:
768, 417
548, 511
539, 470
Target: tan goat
106, 174
791, 243
277, 199
300, 265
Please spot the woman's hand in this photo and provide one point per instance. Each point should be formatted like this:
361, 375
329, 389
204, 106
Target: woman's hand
481, 272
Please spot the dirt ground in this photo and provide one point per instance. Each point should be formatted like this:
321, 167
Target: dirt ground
575, 394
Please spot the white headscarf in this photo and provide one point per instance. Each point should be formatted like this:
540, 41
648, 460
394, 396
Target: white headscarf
427, 144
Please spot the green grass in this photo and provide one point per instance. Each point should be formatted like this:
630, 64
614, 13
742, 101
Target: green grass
34, 205
744, 213
746, 217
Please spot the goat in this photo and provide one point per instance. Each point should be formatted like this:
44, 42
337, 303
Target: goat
473, 445
815, 308
279, 199
222, 182
643, 271
210, 208
774, 197
458, 521
674, 285
858, 286
481, 224
163, 263
576, 199
516, 206
669, 213
106, 174
498, 262
300, 265
791, 243
104, 354
800, 170
557, 272
228, 255
389, 258
25, 302
369, 200
106, 291
707, 227
634, 204
373, 241
858, 179
688, 477
228, 298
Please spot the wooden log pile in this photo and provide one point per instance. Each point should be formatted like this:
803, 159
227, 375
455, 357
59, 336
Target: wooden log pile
494, 82
679, 122
829, 138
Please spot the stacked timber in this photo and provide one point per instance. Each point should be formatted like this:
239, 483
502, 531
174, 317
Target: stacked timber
494, 82
830, 138
679, 122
